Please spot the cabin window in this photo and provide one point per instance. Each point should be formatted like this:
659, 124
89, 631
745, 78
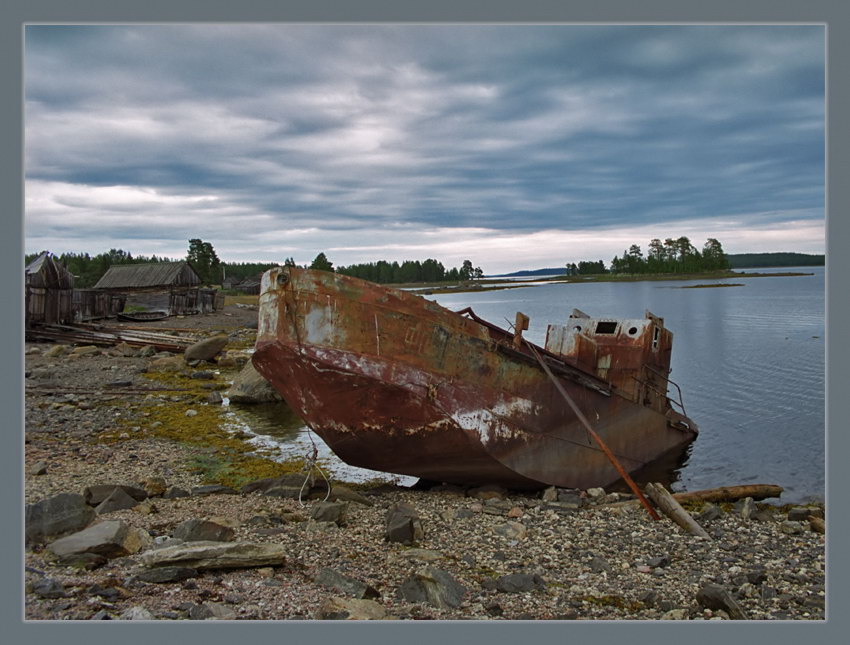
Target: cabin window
606, 327
655, 336
632, 331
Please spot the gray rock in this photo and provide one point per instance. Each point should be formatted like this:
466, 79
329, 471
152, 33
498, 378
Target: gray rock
403, 525
295, 480
58, 515
490, 491
216, 555
659, 562
335, 608
87, 561
251, 387
174, 492
793, 528
147, 351
710, 513
202, 375
197, 530
340, 583
118, 500
715, 597
549, 494
136, 613
598, 565
205, 350
569, 499
95, 495
433, 586
154, 486
344, 493
160, 575
763, 515
336, 512
745, 507
39, 469
802, 513
200, 612
48, 588
111, 539
213, 489
511, 530
286, 492
520, 582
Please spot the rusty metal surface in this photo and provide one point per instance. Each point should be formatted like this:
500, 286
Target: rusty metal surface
396, 383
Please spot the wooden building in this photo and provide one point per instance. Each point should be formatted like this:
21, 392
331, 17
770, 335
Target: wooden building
159, 286
49, 291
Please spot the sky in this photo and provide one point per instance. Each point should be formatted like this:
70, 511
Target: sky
514, 146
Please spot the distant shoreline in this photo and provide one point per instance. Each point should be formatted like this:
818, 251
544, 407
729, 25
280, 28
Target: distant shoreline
495, 284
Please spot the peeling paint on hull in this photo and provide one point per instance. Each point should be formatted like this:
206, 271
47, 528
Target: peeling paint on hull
396, 383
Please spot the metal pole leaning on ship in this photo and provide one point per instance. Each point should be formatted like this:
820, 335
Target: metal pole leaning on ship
634, 488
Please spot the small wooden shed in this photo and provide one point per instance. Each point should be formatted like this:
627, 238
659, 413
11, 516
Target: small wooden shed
49, 291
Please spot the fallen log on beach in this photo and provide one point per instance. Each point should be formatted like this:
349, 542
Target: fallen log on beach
671, 508
730, 493
722, 494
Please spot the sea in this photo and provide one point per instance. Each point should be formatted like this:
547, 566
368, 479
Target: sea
749, 359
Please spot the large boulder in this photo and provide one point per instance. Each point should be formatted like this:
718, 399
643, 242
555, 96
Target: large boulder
118, 500
335, 608
217, 555
205, 350
712, 596
341, 583
58, 515
403, 525
96, 495
249, 386
112, 539
433, 586
197, 530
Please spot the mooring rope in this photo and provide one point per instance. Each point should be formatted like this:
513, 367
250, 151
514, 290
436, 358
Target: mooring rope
313, 462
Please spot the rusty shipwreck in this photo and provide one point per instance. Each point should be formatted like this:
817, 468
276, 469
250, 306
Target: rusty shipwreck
396, 383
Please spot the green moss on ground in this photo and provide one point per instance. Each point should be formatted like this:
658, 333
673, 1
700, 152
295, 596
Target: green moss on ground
218, 455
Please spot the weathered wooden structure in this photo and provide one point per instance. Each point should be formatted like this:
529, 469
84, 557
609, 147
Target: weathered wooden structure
49, 291
166, 286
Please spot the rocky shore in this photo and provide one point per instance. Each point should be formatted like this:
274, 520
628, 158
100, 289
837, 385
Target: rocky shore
142, 505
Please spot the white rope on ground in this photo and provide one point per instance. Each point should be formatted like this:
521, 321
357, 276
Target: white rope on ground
312, 462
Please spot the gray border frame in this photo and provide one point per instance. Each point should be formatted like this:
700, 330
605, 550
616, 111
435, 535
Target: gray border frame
15, 13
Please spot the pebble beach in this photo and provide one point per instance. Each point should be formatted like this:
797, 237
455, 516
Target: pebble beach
130, 517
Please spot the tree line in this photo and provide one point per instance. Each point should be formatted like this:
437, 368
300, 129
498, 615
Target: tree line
672, 256
201, 256
384, 272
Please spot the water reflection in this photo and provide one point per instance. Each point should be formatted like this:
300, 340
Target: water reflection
275, 426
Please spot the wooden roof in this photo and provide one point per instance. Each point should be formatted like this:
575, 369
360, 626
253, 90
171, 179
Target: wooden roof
154, 274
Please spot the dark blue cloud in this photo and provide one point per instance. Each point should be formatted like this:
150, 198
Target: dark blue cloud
517, 128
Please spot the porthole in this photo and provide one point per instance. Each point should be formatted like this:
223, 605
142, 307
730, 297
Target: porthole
577, 327
632, 331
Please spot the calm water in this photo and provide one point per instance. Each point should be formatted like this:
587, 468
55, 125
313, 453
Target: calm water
749, 360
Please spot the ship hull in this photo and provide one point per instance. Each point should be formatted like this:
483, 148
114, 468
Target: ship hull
395, 383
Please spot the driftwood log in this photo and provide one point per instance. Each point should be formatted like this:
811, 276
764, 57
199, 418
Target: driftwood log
730, 493
671, 508
722, 494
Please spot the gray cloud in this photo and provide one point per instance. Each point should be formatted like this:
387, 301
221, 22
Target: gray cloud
215, 128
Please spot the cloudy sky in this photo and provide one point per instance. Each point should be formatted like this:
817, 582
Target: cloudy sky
514, 146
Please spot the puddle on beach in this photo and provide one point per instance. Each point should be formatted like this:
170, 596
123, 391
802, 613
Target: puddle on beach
276, 426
